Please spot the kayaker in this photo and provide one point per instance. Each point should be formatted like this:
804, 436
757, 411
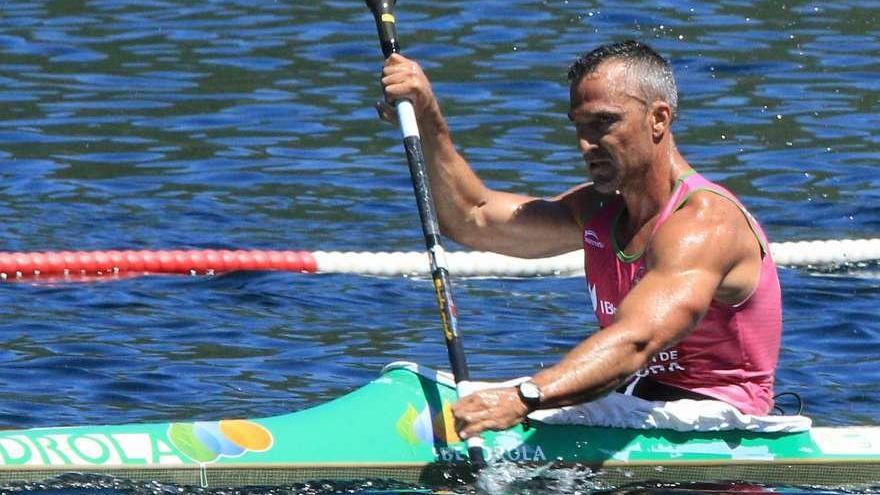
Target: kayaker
679, 273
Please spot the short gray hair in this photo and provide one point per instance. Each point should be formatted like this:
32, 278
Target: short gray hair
648, 68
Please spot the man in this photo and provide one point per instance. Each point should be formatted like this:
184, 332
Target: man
679, 273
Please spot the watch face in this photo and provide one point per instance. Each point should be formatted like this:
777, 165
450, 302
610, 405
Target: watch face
529, 391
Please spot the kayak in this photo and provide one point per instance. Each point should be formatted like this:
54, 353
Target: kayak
399, 427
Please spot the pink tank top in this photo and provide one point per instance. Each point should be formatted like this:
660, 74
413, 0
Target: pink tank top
731, 355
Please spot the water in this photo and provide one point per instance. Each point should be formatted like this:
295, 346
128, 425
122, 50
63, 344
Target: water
166, 124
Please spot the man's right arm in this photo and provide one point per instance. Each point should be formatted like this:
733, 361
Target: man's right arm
468, 211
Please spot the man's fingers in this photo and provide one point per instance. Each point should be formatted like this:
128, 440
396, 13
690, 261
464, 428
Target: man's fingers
398, 86
479, 425
386, 112
494, 409
472, 416
396, 60
463, 412
380, 109
470, 429
404, 79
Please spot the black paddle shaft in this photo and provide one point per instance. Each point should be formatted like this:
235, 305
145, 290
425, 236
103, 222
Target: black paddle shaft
383, 11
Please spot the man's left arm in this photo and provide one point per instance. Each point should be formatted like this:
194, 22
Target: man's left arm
689, 258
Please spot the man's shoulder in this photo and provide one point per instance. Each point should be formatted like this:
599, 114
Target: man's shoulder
707, 210
708, 223
711, 233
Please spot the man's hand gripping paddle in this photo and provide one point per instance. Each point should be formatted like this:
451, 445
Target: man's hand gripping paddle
383, 11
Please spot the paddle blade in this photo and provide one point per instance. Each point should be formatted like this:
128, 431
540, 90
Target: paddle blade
383, 12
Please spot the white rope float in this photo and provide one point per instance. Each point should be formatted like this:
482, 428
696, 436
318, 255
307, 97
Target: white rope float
483, 264
461, 264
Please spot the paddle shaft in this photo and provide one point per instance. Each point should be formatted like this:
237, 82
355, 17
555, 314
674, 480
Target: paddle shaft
383, 11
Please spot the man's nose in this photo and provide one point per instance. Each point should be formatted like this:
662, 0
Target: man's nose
585, 144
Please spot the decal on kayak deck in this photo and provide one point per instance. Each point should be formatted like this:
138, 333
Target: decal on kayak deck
427, 427
207, 441
508, 446
201, 442
73, 447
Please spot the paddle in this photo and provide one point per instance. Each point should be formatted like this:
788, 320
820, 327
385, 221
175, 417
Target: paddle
383, 11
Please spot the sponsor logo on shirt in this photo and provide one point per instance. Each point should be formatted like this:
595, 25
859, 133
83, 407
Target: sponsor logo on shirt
592, 238
600, 305
662, 362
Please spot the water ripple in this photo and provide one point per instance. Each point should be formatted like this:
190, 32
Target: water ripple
164, 124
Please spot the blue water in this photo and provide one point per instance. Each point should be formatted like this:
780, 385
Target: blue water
173, 124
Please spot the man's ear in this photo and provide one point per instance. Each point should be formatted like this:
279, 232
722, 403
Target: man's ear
661, 119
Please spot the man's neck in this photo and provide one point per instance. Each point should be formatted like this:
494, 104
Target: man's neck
647, 197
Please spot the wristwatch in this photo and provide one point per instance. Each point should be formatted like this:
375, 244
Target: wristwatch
530, 394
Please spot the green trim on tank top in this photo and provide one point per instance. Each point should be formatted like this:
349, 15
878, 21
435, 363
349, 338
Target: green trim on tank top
632, 258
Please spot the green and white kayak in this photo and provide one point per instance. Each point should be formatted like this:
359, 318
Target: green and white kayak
399, 427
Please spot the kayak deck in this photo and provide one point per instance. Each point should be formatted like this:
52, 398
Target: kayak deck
400, 427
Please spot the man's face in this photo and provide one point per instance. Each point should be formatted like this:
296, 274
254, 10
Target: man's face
612, 125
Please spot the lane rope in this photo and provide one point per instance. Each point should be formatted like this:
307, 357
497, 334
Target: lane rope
100, 264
